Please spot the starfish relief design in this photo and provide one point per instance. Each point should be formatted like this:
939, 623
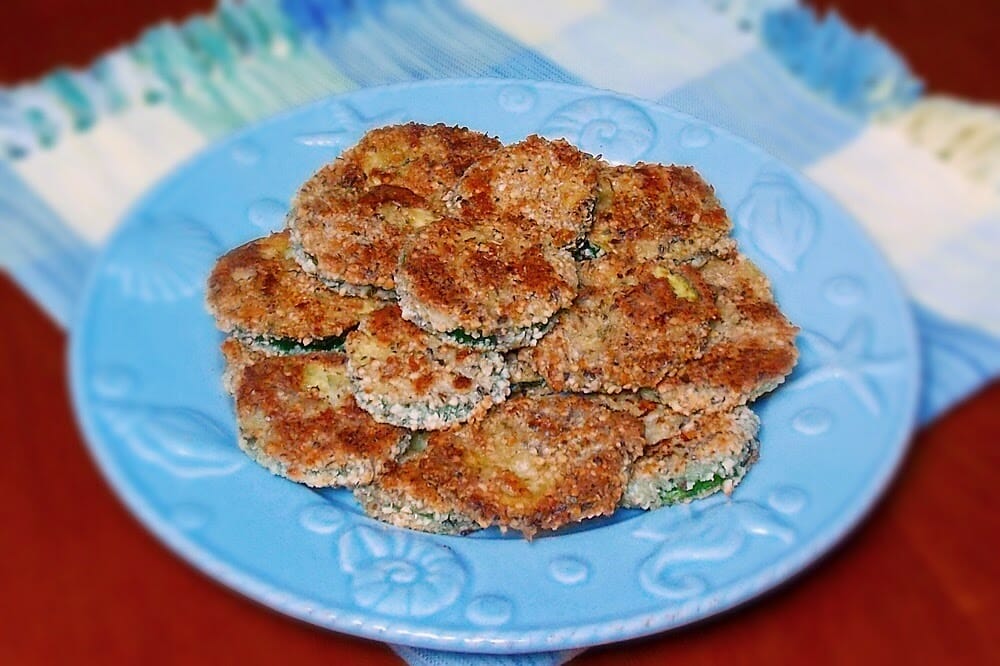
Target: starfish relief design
849, 360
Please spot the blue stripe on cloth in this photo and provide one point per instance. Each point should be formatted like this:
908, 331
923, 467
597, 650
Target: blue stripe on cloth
39, 250
756, 98
856, 71
957, 360
387, 42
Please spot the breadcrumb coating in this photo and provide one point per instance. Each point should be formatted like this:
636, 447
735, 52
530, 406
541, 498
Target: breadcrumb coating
351, 218
630, 334
402, 375
750, 351
690, 457
550, 185
530, 464
297, 418
655, 212
484, 279
259, 290
635, 334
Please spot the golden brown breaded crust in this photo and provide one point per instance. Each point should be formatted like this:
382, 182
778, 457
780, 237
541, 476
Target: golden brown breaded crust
297, 417
520, 369
401, 374
238, 357
652, 211
401, 495
676, 443
531, 463
483, 277
749, 353
352, 216
635, 403
549, 184
631, 334
650, 337
258, 289
688, 457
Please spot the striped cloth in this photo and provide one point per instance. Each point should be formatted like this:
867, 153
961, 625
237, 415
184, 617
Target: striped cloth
921, 173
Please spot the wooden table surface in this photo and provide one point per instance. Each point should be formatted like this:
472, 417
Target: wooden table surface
82, 582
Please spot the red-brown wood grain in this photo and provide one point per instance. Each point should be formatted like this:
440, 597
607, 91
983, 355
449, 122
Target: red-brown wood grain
82, 582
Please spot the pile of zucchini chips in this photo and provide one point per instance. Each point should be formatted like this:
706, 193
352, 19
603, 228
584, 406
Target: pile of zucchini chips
471, 334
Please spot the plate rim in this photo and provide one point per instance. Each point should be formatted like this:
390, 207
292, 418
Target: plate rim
581, 635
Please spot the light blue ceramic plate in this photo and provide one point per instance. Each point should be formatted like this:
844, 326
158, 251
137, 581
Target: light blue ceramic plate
146, 383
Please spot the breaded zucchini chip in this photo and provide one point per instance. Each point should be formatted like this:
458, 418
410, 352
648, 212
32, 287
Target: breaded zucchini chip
258, 293
349, 220
656, 212
489, 284
402, 375
551, 185
298, 419
628, 332
750, 351
532, 463
404, 497
687, 458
